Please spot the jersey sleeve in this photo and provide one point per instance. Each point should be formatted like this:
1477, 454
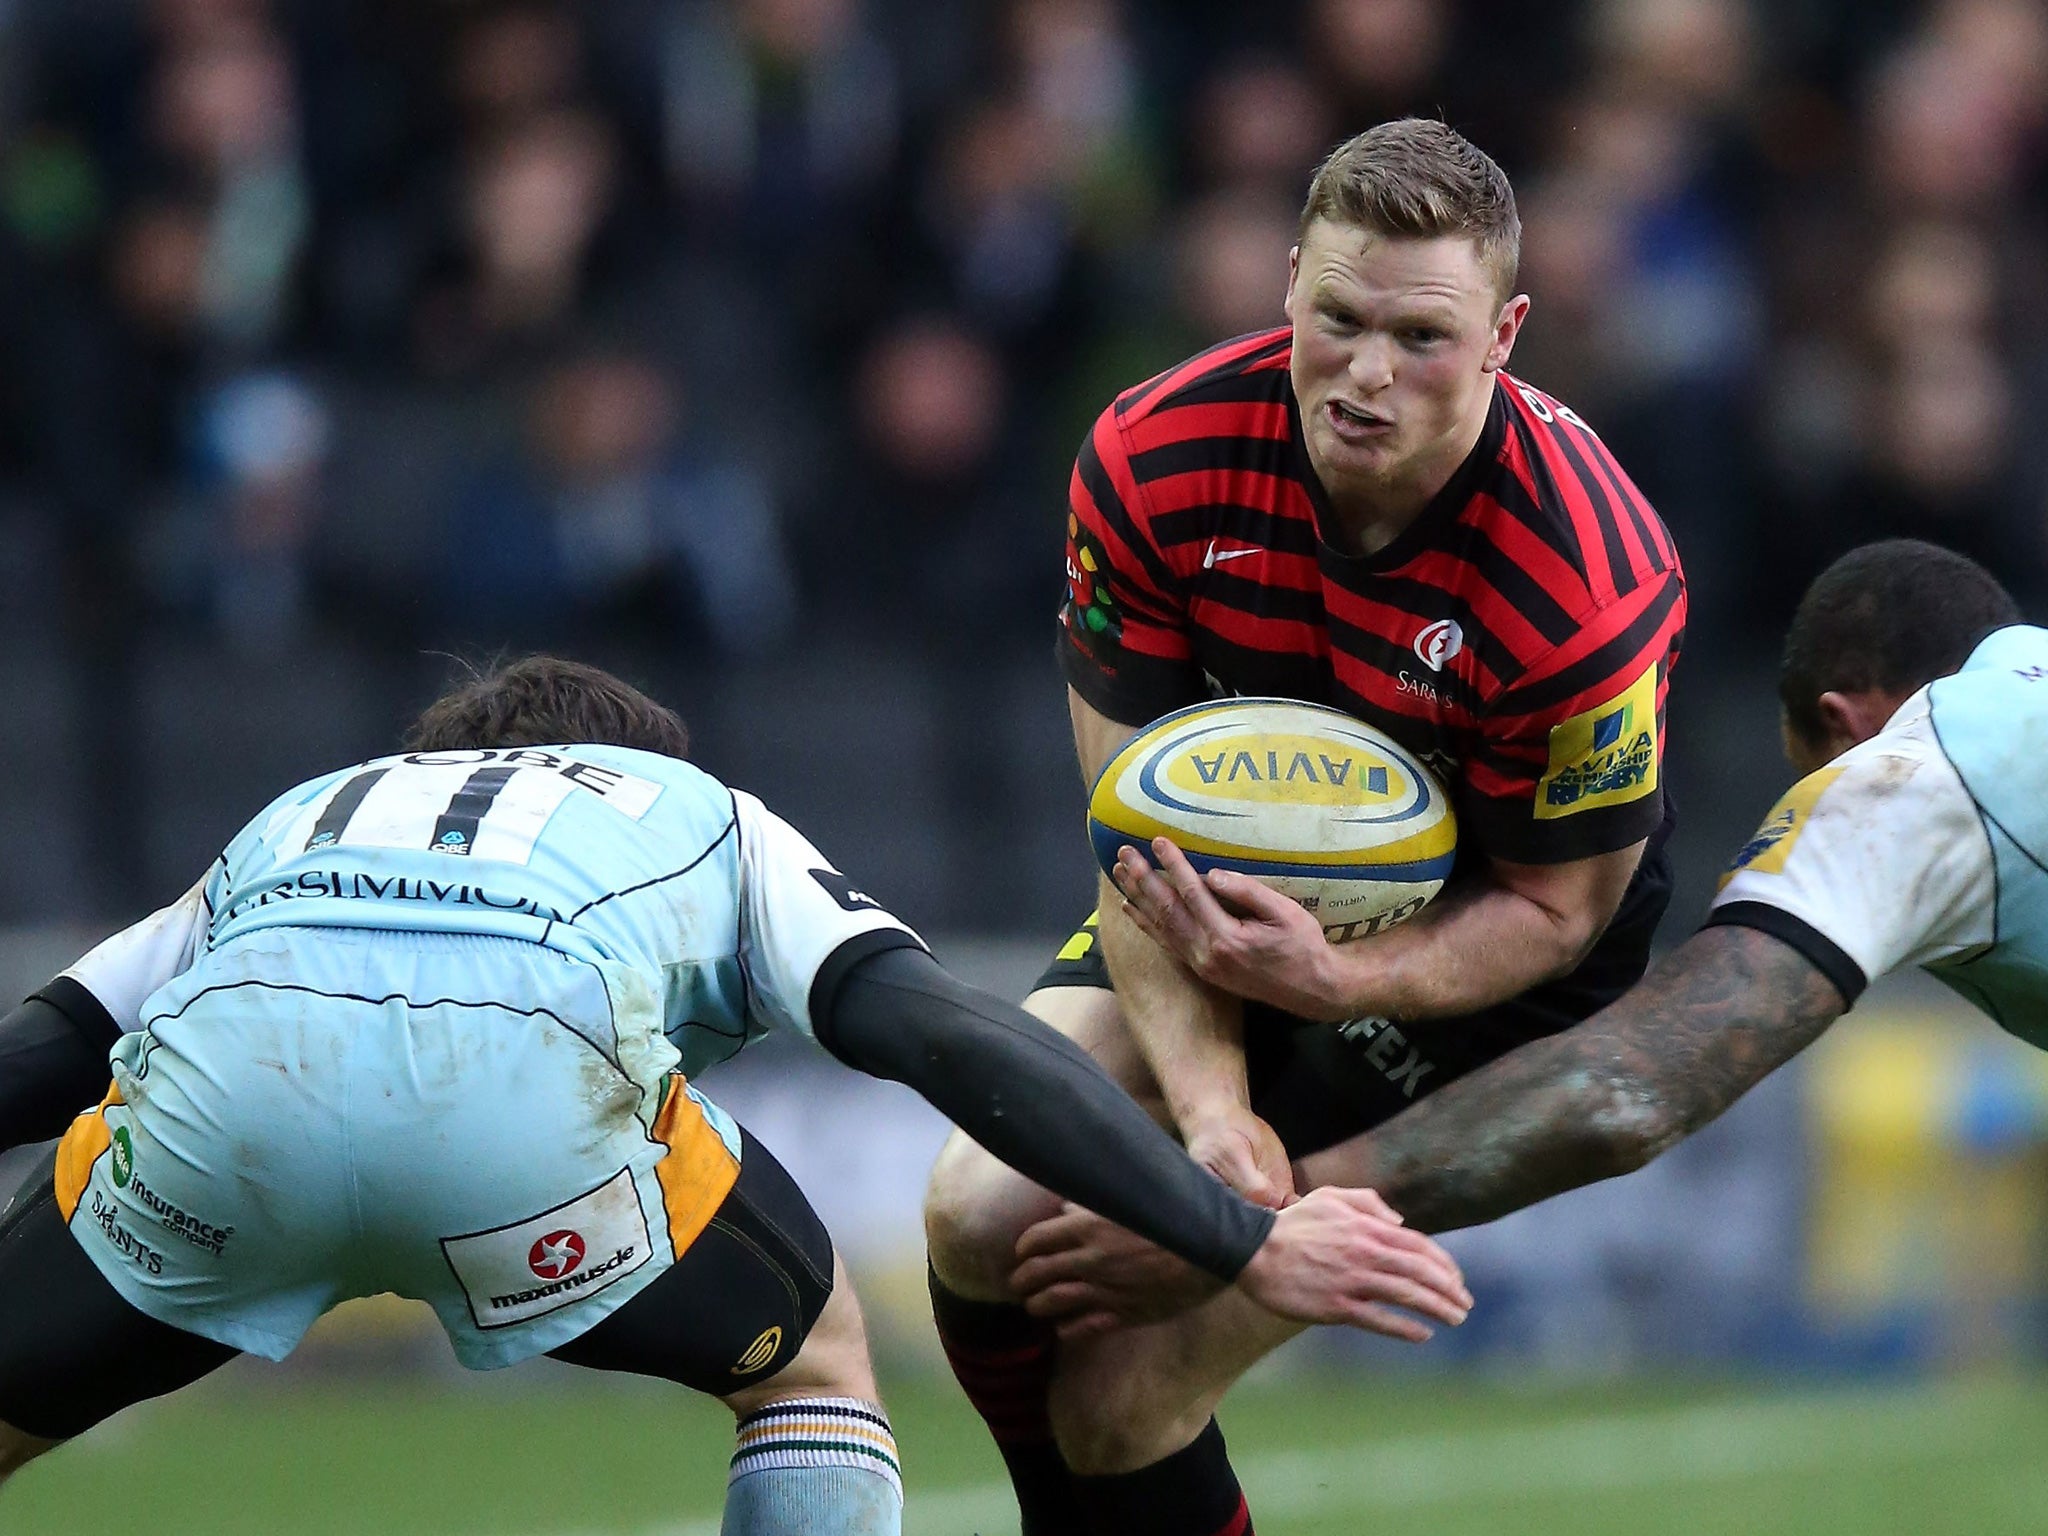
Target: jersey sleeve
122, 971
1877, 861
802, 923
1571, 756
1124, 643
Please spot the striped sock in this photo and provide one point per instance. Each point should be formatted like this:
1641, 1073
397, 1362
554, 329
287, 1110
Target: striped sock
823, 1465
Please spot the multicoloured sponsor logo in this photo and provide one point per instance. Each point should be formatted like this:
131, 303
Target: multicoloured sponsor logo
1089, 613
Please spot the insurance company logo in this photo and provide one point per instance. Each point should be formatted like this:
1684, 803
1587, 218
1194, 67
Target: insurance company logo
556, 1254
1767, 851
454, 840
1603, 756
1438, 643
760, 1352
121, 1157
1277, 767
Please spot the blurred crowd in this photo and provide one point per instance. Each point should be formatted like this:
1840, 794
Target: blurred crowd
723, 336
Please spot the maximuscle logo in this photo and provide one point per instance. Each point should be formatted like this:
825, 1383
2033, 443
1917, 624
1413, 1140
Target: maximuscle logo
528, 1268
554, 1255
574, 1282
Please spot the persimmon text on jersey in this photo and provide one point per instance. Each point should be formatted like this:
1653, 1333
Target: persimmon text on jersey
336, 885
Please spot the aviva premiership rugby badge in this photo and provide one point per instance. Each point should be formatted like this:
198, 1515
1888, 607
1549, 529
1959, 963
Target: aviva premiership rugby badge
1767, 851
1606, 755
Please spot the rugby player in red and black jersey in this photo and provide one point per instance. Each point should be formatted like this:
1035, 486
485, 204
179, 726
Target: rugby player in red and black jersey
1361, 509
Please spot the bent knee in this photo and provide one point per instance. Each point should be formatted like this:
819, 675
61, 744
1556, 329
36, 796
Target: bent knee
975, 1209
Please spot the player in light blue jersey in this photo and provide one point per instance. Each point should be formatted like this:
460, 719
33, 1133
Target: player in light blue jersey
1916, 705
428, 1026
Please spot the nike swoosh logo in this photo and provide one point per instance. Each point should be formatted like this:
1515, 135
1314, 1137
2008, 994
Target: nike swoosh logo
1214, 557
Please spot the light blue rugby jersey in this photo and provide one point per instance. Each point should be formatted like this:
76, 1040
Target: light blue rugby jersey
1926, 845
611, 855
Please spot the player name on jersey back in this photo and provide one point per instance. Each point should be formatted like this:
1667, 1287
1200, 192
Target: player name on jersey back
507, 841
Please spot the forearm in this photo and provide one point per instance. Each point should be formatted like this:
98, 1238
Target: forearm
53, 1061
1477, 945
1190, 1034
1036, 1101
1710, 1021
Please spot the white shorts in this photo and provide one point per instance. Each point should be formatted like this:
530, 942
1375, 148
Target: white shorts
311, 1114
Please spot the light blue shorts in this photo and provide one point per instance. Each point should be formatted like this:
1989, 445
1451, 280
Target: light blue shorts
312, 1114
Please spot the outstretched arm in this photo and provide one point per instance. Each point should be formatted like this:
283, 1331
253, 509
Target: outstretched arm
1710, 1021
1036, 1100
53, 1061
53, 1048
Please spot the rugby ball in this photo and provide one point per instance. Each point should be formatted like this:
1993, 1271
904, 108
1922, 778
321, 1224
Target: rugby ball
1313, 801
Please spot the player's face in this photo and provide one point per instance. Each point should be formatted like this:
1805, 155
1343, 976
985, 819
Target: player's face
1396, 342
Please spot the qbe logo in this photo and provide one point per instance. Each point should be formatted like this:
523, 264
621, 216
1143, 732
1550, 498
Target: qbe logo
1438, 643
556, 1254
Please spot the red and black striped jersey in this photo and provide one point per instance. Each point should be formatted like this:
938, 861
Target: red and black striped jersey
1518, 635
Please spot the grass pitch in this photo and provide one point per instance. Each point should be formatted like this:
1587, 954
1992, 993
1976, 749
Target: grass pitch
562, 1454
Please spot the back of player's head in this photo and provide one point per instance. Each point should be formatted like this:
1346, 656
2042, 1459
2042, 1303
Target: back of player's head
1891, 616
546, 701
1417, 178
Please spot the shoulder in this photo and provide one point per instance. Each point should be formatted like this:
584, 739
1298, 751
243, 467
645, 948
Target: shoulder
1896, 787
1557, 478
1241, 386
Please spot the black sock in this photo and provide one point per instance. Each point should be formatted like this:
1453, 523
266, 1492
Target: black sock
1193, 1492
1003, 1358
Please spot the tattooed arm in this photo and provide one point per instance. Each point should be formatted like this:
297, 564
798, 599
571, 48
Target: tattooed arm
1710, 1021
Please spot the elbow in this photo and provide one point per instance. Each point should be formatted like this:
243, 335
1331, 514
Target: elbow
1628, 1124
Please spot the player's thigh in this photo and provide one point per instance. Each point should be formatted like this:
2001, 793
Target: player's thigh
739, 1305
72, 1351
1124, 1400
834, 1360
975, 1206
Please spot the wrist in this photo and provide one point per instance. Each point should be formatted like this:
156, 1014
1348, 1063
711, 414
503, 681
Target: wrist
1347, 983
1207, 1104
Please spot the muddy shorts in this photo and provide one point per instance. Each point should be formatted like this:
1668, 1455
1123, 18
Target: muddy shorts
313, 1114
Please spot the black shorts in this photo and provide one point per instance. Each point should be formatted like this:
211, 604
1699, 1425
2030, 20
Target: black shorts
1318, 1084
731, 1312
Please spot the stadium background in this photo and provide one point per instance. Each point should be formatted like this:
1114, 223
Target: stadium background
744, 347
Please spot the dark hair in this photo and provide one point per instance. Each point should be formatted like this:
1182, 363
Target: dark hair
546, 701
1893, 616
1419, 178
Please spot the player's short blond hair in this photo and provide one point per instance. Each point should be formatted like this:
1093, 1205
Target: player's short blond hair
1420, 179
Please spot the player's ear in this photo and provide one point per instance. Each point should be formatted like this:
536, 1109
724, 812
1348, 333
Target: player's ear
1293, 268
1507, 325
1850, 719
